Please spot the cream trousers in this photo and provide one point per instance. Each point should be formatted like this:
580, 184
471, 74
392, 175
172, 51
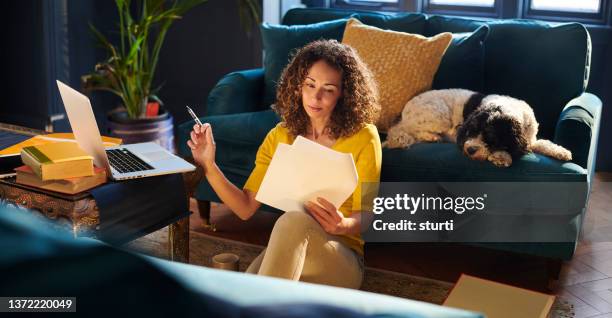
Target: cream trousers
299, 249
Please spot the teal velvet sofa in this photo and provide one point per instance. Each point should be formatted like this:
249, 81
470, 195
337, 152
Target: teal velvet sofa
545, 64
39, 261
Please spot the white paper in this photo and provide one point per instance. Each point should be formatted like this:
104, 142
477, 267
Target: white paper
304, 171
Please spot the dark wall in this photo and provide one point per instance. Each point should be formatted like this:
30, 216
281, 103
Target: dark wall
23, 100
44, 41
76, 42
600, 84
207, 44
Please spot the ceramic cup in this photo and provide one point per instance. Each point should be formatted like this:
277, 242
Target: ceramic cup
227, 261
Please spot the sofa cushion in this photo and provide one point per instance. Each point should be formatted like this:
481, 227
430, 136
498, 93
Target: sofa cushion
444, 162
553, 68
280, 41
403, 64
402, 22
462, 65
438, 23
553, 65
302, 16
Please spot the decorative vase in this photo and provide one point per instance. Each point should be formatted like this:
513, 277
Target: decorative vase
158, 129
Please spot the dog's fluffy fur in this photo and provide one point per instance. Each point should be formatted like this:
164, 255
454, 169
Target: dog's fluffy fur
495, 128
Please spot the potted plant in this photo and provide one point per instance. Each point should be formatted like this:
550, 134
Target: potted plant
130, 68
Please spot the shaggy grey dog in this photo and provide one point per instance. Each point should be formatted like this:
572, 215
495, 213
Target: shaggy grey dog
495, 128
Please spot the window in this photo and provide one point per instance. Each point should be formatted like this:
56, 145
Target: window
586, 6
477, 3
378, 5
486, 8
585, 11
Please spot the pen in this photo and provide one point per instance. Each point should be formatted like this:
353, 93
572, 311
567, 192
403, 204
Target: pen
193, 115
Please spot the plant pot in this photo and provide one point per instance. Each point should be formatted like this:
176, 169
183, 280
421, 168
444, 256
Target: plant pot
158, 129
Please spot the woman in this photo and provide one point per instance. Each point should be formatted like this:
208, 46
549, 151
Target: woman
328, 95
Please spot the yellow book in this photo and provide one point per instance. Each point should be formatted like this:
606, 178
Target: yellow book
52, 138
58, 160
497, 300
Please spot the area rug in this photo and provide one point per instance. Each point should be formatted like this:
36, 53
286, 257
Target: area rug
203, 247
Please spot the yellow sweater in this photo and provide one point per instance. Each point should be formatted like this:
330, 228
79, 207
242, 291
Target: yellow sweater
367, 154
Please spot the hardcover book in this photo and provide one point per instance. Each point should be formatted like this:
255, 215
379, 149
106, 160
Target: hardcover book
59, 160
26, 176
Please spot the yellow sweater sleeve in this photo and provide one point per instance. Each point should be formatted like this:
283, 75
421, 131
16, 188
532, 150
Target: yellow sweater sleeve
368, 164
262, 161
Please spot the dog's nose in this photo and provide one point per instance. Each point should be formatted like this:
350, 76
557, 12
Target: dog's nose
472, 150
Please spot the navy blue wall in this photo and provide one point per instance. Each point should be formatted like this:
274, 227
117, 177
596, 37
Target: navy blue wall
23, 64
51, 39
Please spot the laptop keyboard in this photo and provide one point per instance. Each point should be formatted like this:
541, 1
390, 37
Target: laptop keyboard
124, 161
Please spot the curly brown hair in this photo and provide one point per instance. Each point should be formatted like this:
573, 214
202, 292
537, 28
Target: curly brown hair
358, 104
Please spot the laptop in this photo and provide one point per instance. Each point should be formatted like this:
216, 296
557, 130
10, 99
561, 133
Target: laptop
121, 162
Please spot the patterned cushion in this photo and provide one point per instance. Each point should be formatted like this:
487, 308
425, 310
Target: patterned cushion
403, 64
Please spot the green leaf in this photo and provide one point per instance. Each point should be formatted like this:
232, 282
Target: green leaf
134, 50
129, 70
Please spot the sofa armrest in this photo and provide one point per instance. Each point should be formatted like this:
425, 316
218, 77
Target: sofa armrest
578, 129
237, 92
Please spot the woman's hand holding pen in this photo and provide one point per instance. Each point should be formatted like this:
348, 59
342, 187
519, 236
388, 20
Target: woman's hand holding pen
332, 220
203, 146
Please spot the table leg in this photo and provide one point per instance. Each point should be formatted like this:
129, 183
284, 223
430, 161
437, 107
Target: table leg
178, 240
191, 180
204, 211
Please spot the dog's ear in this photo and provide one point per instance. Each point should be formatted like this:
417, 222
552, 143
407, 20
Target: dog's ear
472, 104
472, 126
505, 132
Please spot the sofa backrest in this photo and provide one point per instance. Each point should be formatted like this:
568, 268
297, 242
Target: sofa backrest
542, 63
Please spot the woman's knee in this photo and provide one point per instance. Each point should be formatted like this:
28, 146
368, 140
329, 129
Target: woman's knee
256, 263
295, 222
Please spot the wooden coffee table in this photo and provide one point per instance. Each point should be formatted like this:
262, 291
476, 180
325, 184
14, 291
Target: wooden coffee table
79, 213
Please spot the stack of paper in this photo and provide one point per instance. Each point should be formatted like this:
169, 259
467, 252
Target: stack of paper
498, 300
304, 171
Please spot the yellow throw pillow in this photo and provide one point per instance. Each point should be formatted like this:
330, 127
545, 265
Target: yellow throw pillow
403, 64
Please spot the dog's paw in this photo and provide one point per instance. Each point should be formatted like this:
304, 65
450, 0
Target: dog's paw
548, 148
426, 136
398, 141
564, 154
500, 159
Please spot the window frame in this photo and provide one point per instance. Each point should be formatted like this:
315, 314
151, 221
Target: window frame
599, 18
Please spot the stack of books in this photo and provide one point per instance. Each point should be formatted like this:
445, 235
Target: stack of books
62, 167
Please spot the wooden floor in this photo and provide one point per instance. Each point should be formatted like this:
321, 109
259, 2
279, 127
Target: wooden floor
586, 279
